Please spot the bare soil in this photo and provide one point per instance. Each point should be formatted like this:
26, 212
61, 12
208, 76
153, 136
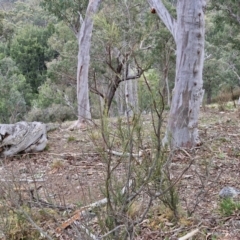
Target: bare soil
70, 173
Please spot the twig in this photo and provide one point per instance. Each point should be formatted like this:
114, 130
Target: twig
36, 226
22, 180
191, 234
86, 211
158, 194
113, 230
122, 154
183, 150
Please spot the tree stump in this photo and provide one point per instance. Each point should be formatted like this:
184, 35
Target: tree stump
22, 137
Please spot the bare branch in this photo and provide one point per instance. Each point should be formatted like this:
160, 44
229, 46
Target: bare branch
94, 90
189, 235
165, 16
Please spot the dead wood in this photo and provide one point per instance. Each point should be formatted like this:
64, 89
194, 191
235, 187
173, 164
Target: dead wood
22, 137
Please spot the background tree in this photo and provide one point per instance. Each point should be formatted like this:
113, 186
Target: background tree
71, 13
221, 71
30, 50
25, 29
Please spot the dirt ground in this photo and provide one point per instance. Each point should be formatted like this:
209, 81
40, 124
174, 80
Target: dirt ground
71, 173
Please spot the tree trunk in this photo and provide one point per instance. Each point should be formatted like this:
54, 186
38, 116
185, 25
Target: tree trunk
135, 95
112, 88
188, 32
166, 85
84, 43
209, 93
120, 99
131, 97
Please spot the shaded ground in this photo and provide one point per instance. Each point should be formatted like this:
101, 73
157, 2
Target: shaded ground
71, 172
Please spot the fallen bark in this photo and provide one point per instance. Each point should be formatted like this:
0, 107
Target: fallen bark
22, 137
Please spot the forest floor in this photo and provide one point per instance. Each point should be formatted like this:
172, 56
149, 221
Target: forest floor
71, 173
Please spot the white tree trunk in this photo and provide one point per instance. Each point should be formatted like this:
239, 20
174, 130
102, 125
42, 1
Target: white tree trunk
84, 42
168, 92
120, 99
131, 96
131, 92
188, 32
128, 98
135, 95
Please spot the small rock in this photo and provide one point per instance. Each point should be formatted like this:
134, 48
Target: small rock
228, 192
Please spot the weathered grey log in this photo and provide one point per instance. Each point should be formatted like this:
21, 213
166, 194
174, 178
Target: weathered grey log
22, 137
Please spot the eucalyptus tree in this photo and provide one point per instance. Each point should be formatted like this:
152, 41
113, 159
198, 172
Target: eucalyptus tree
188, 31
82, 26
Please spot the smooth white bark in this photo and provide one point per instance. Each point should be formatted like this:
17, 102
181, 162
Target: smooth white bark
84, 42
120, 99
188, 33
131, 97
168, 92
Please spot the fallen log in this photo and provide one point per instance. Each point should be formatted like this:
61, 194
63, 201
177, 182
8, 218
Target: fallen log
22, 137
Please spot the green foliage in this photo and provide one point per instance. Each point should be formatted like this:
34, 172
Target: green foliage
71, 139
30, 51
63, 40
17, 226
53, 113
15, 92
222, 65
28, 12
48, 94
62, 70
67, 11
228, 206
146, 97
228, 11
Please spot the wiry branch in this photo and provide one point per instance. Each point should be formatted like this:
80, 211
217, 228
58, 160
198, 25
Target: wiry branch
94, 90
